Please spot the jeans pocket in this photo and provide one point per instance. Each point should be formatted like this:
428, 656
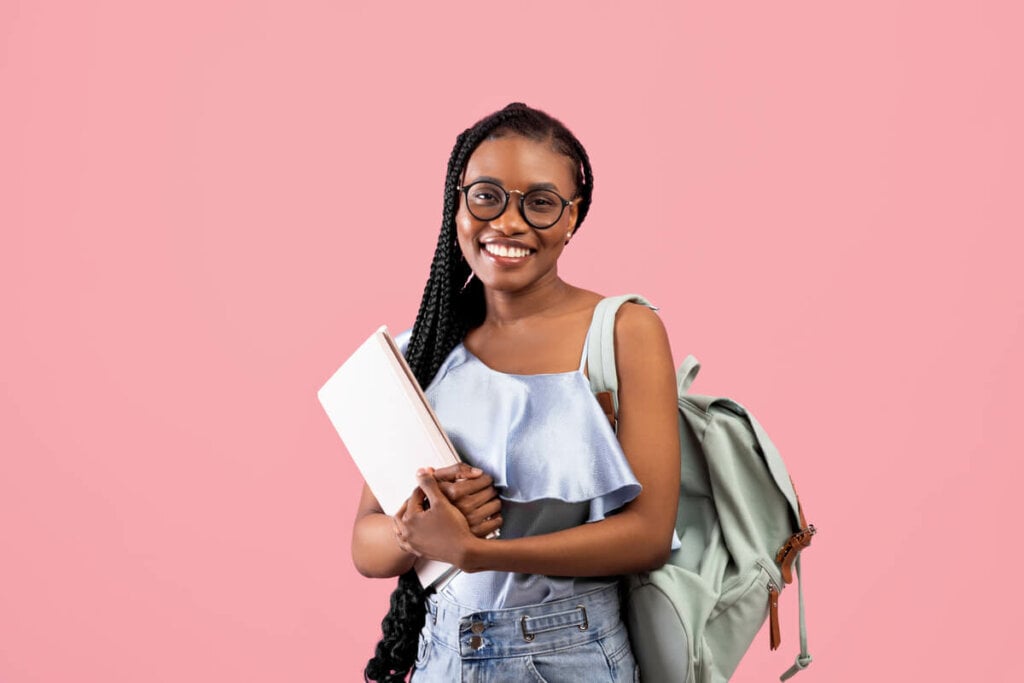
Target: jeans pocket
422, 653
531, 668
622, 665
582, 662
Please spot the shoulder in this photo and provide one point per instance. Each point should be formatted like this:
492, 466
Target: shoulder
641, 342
638, 329
635, 322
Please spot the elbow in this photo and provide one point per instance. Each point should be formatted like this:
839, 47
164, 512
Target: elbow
374, 565
363, 567
377, 570
656, 552
649, 544
655, 559
660, 557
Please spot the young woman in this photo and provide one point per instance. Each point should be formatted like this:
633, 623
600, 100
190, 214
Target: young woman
498, 345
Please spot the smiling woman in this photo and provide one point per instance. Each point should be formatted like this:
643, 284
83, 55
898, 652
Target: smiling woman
513, 244
498, 345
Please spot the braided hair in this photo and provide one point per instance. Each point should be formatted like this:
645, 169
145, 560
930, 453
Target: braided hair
452, 305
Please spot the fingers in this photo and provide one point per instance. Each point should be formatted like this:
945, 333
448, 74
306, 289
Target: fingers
486, 519
402, 533
455, 491
459, 470
413, 504
416, 501
487, 526
428, 525
488, 510
477, 500
428, 486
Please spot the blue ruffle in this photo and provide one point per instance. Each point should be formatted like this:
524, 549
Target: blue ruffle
541, 437
554, 458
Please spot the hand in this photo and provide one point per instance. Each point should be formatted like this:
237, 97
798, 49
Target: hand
437, 531
472, 491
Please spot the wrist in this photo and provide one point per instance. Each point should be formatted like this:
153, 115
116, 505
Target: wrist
474, 555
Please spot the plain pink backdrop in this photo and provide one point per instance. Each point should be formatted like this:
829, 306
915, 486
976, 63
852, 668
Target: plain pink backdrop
205, 205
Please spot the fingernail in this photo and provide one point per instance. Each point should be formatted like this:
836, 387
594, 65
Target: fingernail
421, 472
476, 470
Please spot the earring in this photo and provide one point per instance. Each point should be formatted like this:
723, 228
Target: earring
568, 236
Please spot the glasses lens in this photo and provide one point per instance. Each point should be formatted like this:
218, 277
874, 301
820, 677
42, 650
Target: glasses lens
543, 208
485, 201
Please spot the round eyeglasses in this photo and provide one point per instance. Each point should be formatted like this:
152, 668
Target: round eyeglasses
539, 208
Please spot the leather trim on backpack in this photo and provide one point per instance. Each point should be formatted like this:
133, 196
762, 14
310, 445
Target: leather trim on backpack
607, 403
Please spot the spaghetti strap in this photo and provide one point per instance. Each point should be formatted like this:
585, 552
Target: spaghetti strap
583, 358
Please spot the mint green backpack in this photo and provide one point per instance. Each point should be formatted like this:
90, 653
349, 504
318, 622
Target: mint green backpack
741, 529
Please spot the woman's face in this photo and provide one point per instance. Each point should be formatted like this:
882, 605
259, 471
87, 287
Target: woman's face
506, 253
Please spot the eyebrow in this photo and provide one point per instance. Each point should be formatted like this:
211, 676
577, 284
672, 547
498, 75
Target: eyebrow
534, 186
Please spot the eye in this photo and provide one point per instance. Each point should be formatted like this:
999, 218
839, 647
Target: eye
485, 194
542, 201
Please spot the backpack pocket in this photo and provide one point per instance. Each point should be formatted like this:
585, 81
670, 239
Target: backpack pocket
663, 610
736, 620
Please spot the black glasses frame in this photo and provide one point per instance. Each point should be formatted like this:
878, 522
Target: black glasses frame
464, 189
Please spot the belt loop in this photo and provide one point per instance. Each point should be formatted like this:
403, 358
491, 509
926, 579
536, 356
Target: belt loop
527, 636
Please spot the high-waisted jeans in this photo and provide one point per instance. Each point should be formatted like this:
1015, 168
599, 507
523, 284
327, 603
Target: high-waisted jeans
581, 638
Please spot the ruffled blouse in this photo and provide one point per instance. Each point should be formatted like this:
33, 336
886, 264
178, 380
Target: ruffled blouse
555, 461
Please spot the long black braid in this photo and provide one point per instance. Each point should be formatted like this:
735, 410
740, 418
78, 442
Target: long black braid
452, 305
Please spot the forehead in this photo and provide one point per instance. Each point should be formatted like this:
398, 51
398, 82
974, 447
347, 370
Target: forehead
519, 162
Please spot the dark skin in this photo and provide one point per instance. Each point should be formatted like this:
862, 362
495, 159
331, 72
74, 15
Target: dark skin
469, 490
536, 323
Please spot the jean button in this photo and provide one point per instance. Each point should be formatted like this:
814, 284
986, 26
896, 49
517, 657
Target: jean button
477, 627
476, 642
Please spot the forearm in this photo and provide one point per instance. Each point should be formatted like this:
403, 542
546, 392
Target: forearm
621, 544
375, 550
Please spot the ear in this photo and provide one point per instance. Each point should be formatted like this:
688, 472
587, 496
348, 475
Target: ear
574, 211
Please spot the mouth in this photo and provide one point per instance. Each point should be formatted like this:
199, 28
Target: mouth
511, 253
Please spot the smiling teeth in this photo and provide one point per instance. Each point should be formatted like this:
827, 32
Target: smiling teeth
502, 250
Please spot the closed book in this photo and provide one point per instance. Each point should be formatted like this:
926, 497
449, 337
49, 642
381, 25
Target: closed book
382, 416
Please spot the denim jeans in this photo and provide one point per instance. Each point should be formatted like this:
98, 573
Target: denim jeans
581, 638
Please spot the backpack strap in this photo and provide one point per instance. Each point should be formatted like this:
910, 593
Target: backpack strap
599, 350
803, 659
600, 345
687, 373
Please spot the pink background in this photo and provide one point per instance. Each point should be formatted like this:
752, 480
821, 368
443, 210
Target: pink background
206, 205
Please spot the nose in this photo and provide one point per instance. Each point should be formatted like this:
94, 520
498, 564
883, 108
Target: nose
511, 221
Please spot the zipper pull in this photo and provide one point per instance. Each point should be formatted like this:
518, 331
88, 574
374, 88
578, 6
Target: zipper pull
775, 636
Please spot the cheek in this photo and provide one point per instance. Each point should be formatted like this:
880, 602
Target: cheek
465, 229
465, 241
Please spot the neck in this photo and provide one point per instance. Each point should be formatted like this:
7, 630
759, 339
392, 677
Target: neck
509, 308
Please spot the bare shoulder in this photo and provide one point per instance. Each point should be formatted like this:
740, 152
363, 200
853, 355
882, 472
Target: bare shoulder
641, 344
637, 327
637, 319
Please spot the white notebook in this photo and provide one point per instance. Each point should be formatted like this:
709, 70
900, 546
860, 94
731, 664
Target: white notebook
388, 427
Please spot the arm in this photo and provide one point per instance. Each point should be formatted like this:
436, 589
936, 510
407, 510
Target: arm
375, 549
635, 539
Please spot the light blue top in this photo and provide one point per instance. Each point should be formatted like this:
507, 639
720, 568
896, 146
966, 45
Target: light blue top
553, 456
